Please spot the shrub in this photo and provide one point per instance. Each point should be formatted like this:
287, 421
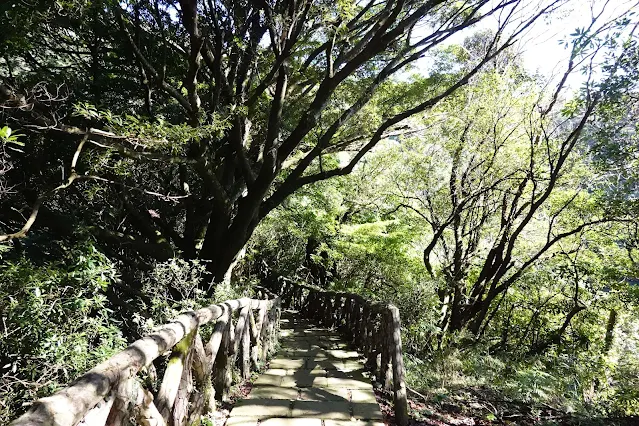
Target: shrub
56, 324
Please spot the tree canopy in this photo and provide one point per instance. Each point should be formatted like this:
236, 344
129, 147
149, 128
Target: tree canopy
238, 103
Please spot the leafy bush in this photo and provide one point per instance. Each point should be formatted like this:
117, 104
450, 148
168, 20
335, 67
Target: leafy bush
56, 324
170, 288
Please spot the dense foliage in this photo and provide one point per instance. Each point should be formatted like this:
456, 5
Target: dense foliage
56, 324
159, 155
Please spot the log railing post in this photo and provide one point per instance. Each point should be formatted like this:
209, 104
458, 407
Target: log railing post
386, 368
265, 337
278, 317
271, 342
314, 307
202, 369
399, 381
245, 350
256, 331
124, 398
328, 310
372, 339
147, 413
362, 332
337, 312
298, 298
214, 348
178, 362
180, 412
357, 323
222, 364
347, 315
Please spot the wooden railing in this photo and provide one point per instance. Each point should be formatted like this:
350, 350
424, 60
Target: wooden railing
373, 327
244, 332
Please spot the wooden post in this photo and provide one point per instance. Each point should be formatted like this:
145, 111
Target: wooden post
271, 330
242, 324
213, 346
386, 368
363, 327
256, 338
276, 326
202, 368
312, 304
339, 311
399, 383
352, 320
99, 414
124, 398
264, 337
298, 298
372, 342
173, 376
357, 324
147, 413
305, 294
328, 310
180, 412
347, 315
245, 351
222, 365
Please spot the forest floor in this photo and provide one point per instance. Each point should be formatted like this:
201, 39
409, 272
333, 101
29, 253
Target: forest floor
481, 407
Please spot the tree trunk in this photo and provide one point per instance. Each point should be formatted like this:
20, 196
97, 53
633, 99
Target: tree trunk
610, 330
555, 337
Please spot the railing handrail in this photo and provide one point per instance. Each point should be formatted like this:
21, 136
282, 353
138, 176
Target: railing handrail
374, 327
96, 393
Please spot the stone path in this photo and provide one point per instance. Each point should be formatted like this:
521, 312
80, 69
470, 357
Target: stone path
315, 380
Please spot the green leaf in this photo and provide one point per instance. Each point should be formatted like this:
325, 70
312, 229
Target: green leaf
5, 132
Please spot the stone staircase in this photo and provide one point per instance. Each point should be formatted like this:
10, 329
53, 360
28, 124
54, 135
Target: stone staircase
314, 380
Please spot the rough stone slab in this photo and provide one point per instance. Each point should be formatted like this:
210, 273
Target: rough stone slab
286, 364
325, 364
355, 375
298, 344
268, 380
302, 353
321, 333
337, 382
273, 392
241, 421
295, 354
276, 372
262, 408
314, 353
291, 422
352, 423
304, 381
367, 411
363, 395
350, 365
343, 354
322, 409
330, 346
324, 394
